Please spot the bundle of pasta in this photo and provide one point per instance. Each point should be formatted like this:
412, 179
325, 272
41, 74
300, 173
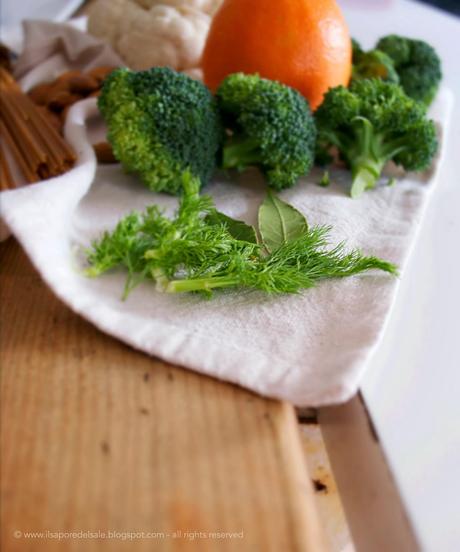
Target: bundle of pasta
28, 139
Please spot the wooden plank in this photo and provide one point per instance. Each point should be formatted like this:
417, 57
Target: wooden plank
329, 505
97, 437
375, 513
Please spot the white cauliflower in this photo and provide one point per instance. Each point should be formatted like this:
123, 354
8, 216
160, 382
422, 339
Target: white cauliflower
204, 6
104, 19
148, 33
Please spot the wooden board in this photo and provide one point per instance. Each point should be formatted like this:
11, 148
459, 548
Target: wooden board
373, 506
97, 437
330, 509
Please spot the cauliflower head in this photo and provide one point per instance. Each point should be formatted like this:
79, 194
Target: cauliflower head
204, 6
149, 33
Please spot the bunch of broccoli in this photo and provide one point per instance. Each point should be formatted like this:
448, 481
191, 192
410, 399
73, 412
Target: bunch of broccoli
413, 64
163, 124
372, 122
381, 116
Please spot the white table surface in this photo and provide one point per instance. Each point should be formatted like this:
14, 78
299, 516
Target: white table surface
412, 386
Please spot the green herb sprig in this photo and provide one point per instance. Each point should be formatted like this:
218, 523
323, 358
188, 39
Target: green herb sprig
201, 249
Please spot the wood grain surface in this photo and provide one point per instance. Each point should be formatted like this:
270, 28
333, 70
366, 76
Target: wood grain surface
376, 515
99, 438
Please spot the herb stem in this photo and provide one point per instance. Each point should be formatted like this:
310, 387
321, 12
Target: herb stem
201, 284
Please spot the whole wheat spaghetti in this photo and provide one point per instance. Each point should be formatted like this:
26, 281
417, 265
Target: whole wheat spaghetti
32, 142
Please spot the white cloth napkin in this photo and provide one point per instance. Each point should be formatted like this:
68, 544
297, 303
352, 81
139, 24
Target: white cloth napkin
310, 349
52, 48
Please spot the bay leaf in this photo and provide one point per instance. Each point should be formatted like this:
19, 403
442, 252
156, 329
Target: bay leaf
279, 223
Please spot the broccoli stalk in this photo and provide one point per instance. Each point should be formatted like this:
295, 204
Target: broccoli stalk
240, 153
371, 123
366, 157
366, 151
271, 128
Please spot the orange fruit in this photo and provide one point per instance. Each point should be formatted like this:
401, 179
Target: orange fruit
302, 43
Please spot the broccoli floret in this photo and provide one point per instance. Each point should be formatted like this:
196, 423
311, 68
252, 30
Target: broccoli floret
356, 48
372, 122
271, 127
161, 123
417, 64
372, 64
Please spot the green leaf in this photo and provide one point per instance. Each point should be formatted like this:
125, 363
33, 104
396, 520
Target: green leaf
236, 228
279, 223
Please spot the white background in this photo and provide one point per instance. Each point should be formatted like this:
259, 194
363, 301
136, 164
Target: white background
412, 386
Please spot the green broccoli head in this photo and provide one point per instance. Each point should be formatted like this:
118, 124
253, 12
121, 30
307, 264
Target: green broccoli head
372, 64
161, 123
271, 127
371, 123
417, 64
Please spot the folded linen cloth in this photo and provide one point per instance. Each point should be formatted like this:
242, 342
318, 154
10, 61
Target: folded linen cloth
310, 349
52, 48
